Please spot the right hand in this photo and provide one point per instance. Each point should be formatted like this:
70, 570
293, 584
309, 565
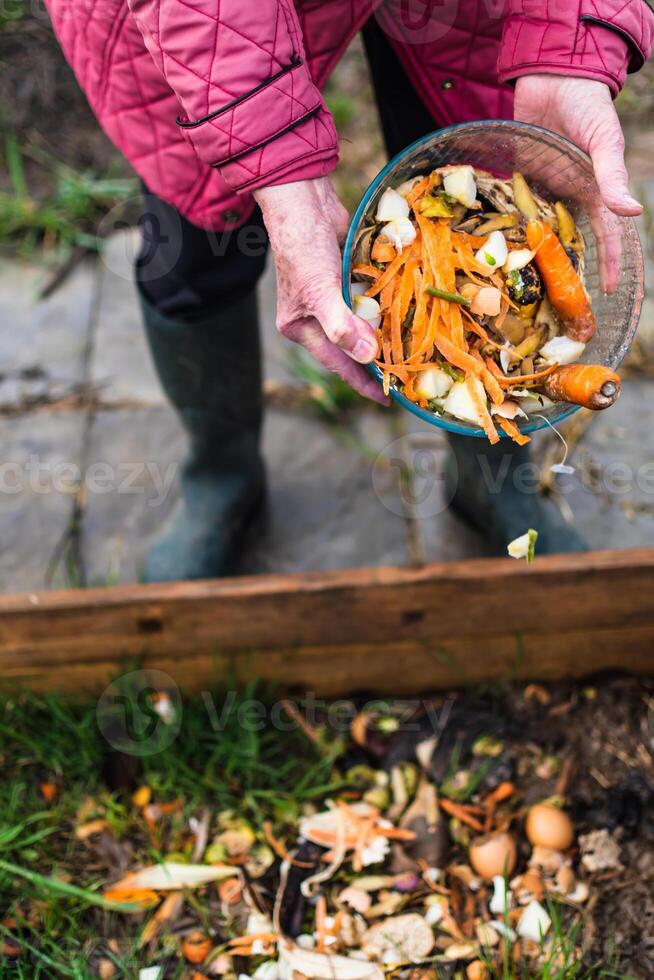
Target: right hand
306, 222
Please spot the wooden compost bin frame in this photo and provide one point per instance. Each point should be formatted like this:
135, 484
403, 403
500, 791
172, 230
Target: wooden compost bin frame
392, 631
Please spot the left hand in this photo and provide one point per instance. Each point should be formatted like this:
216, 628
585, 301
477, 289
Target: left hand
582, 110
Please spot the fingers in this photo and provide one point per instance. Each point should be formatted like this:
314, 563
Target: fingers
608, 232
310, 335
345, 330
606, 148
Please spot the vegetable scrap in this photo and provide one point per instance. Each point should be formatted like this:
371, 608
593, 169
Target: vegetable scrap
475, 286
524, 546
401, 871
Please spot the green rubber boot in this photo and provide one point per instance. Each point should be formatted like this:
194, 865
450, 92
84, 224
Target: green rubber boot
494, 488
210, 370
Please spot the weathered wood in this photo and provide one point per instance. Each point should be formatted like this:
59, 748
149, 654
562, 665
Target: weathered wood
385, 630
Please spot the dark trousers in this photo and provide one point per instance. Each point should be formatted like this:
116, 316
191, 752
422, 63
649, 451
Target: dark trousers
186, 272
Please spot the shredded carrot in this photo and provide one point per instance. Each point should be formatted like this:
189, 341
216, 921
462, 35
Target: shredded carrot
480, 406
279, 848
382, 251
512, 430
386, 295
389, 273
522, 379
371, 271
460, 812
488, 380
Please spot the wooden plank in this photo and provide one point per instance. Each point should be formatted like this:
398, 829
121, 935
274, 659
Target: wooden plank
385, 630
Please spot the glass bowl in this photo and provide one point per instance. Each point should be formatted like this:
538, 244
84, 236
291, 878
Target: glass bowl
558, 170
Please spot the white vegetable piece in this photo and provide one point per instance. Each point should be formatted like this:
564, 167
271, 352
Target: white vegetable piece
407, 185
493, 254
487, 301
508, 410
459, 401
392, 205
518, 259
151, 973
532, 401
503, 929
524, 546
501, 900
506, 360
368, 309
433, 383
562, 350
268, 970
326, 966
357, 288
534, 922
434, 914
460, 184
170, 876
400, 232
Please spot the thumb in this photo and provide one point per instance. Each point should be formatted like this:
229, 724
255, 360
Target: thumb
349, 332
606, 149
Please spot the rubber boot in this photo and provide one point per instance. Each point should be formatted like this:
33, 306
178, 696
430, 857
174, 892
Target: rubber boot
210, 370
495, 488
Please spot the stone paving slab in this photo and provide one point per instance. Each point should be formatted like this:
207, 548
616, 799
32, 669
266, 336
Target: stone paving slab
120, 363
611, 495
131, 487
327, 509
44, 343
40, 470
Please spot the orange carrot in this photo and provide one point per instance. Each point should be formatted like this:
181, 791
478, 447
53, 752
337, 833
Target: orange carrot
520, 379
407, 286
389, 273
386, 295
564, 287
489, 380
396, 322
479, 401
460, 812
512, 430
382, 251
367, 270
458, 358
590, 385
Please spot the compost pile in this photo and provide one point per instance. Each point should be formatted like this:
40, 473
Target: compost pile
467, 836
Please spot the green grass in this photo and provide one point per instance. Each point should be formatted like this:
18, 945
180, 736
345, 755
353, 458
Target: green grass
70, 213
258, 772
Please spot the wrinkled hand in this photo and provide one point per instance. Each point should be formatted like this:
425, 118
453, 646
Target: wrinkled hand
582, 110
305, 222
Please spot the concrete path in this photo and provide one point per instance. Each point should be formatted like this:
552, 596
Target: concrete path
90, 450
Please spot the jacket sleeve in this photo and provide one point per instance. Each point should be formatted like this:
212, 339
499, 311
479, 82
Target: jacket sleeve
598, 39
248, 104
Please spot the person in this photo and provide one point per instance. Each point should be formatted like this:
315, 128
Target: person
217, 106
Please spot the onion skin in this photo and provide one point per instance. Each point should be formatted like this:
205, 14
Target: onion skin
590, 385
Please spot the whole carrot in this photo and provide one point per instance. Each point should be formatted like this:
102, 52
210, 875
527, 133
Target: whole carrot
590, 385
564, 287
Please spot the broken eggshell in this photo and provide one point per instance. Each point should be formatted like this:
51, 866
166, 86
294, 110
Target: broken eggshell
493, 854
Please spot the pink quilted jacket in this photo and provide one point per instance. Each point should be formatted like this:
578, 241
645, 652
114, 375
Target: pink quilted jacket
209, 99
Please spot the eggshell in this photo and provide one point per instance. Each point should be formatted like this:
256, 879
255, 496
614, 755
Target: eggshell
477, 971
549, 826
493, 854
